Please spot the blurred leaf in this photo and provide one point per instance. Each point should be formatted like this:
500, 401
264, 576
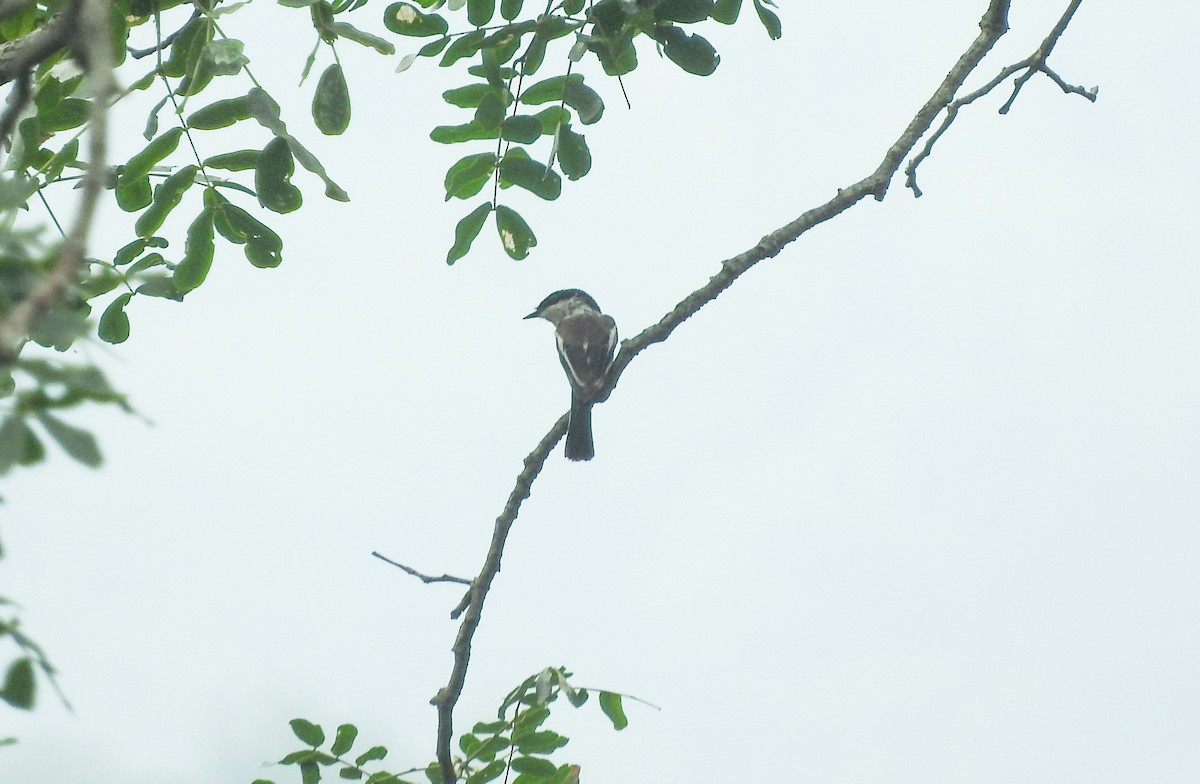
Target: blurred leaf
407, 19
612, 706
20, 688
534, 766
343, 740
114, 323
331, 102
15, 437
79, 444
467, 230
309, 734
197, 254
273, 175
487, 773
70, 113
541, 742
515, 234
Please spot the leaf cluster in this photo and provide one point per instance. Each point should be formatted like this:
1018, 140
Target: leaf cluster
513, 115
518, 741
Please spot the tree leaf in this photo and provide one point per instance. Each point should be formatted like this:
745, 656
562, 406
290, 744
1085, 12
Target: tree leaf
467, 176
76, 442
239, 160
352, 33
309, 734
197, 254
407, 19
691, 52
480, 12
521, 128
531, 175
372, 754
769, 19
141, 164
610, 703
114, 323
467, 230
220, 114
574, 158
515, 234
686, 11
266, 112
20, 687
343, 740
273, 175
167, 196
331, 102
726, 11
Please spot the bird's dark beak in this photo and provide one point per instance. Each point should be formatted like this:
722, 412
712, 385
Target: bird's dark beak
534, 314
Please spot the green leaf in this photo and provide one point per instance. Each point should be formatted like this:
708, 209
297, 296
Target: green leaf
240, 160
480, 12
468, 175
309, 734
521, 128
343, 740
114, 324
463, 46
472, 131
693, 53
467, 230
79, 444
468, 97
490, 112
266, 112
686, 11
70, 113
571, 89
263, 247
552, 118
167, 196
224, 57
141, 164
487, 773
531, 175
331, 102
129, 251
542, 742
197, 254
350, 773
352, 33
310, 773
133, 195
20, 688
769, 19
407, 19
574, 158
372, 754
610, 703
515, 234
15, 437
187, 48
726, 11
273, 175
220, 114
511, 9
534, 766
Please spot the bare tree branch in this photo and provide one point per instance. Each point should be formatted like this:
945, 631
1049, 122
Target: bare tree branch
445, 578
993, 25
56, 285
1033, 64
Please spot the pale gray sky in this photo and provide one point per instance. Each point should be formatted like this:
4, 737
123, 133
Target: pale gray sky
914, 502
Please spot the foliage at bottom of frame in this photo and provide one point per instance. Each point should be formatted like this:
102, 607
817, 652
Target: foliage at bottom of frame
518, 741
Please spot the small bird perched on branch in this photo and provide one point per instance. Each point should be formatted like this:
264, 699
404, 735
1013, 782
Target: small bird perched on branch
587, 341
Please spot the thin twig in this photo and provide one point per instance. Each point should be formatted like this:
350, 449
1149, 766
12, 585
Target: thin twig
427, 579
1033, 64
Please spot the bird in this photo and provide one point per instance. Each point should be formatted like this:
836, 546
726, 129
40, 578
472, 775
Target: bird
587, 341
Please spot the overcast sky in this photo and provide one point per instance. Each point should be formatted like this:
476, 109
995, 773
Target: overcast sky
914, 502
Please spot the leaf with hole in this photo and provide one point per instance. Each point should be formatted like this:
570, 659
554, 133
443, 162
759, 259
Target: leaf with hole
407, 19
515, 234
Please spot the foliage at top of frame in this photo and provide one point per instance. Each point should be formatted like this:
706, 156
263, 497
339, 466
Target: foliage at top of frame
508, 51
